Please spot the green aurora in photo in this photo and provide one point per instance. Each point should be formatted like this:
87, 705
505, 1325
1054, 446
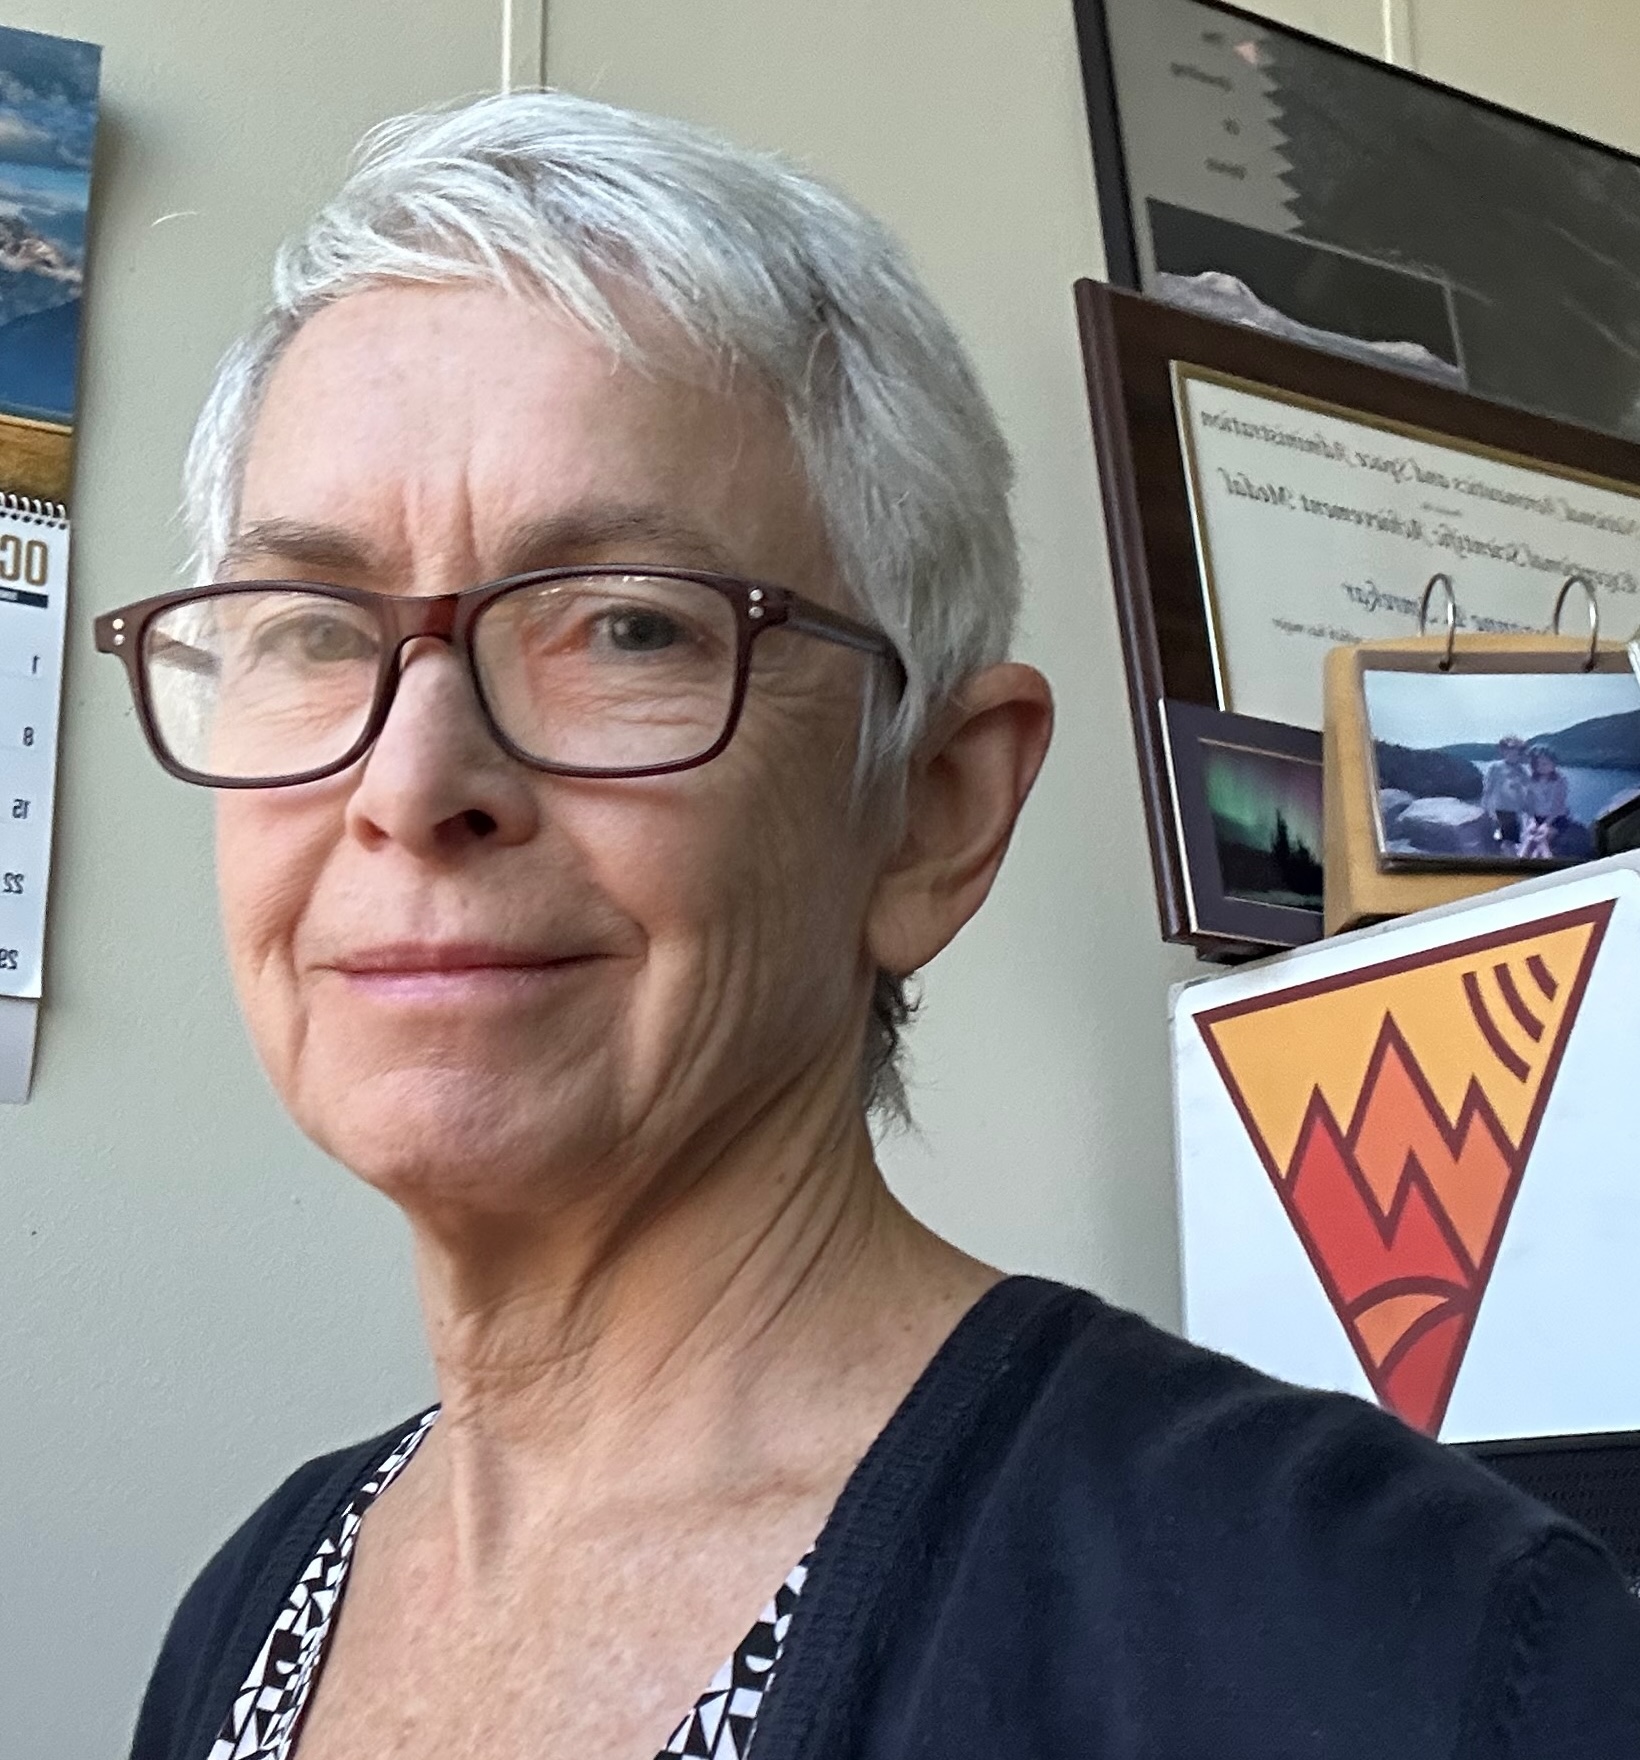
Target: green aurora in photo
1266, 811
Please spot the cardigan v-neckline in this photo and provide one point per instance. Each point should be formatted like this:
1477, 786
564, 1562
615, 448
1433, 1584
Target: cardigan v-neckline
914, 1456
1079, 1534
856, 1561
266, 1717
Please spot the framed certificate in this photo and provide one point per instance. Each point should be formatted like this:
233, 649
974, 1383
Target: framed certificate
1322, 524
1265, 502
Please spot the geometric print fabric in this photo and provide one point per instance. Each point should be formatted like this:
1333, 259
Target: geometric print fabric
267, 1710
267, 1707
720, 1726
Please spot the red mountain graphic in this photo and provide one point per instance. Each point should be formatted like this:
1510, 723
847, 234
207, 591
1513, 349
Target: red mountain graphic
1394, 1108
1401, 1216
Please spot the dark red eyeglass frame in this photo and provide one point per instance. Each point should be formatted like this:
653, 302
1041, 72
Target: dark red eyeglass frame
449, 617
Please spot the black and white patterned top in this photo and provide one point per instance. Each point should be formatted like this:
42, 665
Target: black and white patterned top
267, 1709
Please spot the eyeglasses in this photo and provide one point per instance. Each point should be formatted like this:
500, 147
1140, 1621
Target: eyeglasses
597, 671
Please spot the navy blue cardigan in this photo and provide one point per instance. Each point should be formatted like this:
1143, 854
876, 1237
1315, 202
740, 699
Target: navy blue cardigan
1082, 1539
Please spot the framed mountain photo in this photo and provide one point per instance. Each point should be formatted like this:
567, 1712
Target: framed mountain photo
48, 122
1248, 171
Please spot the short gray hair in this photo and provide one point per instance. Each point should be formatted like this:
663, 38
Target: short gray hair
757, 266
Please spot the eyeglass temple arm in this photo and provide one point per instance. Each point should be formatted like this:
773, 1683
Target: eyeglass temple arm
832, 626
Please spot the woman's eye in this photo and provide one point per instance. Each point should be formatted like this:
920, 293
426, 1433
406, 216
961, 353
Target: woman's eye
640, 631
317, 641
167, 651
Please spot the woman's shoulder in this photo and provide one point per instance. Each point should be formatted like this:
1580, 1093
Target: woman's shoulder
229, 1608
1245, 1554
1185, 1471
294, 1515
1141, 1416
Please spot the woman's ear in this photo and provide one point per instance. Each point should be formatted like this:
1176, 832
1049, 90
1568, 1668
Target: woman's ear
967, 783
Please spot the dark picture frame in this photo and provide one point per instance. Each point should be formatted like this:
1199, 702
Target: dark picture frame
1242, 887
1131, 347
1242, 165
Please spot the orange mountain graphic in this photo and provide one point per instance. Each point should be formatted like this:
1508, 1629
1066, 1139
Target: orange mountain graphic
1394, 1108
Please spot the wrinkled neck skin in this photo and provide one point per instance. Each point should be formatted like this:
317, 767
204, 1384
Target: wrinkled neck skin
708, 1331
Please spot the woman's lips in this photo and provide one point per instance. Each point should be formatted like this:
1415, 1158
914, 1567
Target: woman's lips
452, 972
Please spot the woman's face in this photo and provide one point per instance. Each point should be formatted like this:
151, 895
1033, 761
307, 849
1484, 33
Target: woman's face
472, 982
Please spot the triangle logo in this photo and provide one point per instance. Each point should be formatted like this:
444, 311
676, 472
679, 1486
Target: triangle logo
1395, 1108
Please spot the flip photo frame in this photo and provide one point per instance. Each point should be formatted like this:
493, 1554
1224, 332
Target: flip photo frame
1368, 878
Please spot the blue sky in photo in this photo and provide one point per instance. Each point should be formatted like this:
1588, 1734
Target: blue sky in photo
53, 202
48, 122
1445, 709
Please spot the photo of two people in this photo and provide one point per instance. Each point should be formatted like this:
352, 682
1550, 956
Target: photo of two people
1500, 769
1529, 800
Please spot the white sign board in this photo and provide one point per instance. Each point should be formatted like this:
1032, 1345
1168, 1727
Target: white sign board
1407, 1167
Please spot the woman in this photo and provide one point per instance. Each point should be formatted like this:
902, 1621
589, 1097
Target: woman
627, 717
1547, 817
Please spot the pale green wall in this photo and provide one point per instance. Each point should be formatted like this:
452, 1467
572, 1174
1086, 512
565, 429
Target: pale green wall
1041, 1057
192, 1300
1358, 24
1576, 62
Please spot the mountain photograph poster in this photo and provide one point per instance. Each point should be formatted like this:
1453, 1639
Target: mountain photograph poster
1254, 173
48, 122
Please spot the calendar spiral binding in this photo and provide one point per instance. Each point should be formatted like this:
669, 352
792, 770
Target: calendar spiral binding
30, 510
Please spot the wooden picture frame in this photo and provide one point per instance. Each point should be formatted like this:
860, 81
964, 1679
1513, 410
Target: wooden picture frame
1131, 348
1361, 888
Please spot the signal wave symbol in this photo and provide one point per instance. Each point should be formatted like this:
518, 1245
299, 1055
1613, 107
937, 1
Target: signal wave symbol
1395, 1108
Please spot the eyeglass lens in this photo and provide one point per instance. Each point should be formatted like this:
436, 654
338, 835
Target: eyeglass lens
595, 673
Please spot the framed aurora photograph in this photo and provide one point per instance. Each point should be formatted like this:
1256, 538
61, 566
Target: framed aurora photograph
1248, 796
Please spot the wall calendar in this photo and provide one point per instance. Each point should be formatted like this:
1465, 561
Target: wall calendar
33, 611
48, 126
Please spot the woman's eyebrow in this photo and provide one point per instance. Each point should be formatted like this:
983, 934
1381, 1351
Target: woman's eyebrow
302, 542
551, 540
582, 533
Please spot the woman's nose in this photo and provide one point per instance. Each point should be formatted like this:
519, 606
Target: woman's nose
436, 780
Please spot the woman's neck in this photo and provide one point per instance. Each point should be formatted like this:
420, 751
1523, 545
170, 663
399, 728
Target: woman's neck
758, 1319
